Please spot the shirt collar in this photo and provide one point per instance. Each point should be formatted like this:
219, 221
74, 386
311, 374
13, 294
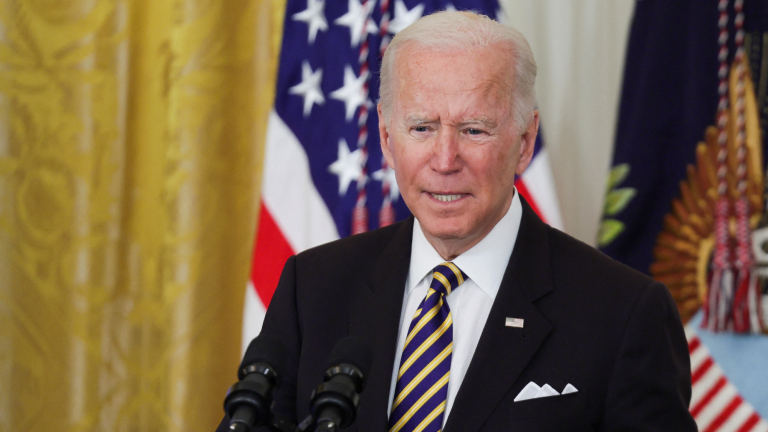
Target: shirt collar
485, 263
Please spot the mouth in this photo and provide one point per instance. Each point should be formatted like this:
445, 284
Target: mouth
447, 197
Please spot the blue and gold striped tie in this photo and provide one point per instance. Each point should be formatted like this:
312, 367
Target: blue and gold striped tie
422, 381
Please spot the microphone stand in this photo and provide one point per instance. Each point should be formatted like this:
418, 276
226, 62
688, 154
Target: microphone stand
280, 424
305, 424
324, 425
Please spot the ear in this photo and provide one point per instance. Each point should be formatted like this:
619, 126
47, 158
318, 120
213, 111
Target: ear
527, 143
386, 148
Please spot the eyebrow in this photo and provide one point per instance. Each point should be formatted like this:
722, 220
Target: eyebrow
483, 120
413, 119
416, 120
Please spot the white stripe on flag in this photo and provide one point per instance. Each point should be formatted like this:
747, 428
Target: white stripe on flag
294, 203
698, 356
290, 194
705, 383
541, 186
715, 406
738, 417
761, 426
690, 331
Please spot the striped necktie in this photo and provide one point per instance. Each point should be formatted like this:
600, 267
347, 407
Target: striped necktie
422, 381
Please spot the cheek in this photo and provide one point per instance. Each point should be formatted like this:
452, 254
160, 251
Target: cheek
401, 165
408, 161
496, 171
405, 174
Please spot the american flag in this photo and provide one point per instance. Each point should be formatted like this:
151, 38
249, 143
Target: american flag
324, 174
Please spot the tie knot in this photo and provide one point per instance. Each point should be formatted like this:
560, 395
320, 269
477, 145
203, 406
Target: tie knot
446, 277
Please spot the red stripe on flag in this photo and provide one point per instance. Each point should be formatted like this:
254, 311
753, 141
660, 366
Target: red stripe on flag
270, 253
724, 414
709, 396
693, 344
701, 370
750, 423
525, 193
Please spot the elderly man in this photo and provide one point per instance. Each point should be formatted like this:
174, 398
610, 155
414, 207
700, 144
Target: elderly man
481, 317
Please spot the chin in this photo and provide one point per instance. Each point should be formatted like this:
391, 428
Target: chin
445, 231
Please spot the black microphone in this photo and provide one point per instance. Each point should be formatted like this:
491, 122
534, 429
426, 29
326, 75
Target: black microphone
249, 401
334, 402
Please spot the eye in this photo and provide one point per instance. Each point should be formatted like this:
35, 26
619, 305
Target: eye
420, 129
473, 131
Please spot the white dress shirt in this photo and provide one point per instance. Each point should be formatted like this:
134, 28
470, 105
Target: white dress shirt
471, 303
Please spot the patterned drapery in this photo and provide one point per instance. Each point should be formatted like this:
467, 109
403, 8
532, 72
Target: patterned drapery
130, 149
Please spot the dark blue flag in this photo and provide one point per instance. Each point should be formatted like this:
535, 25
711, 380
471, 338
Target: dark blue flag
685, 199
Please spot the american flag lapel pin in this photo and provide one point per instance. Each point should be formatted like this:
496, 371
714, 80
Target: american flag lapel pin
515, 322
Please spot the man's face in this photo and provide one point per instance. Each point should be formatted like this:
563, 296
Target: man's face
453, 141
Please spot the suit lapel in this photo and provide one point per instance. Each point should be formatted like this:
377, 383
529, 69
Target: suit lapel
375, 315
503, 352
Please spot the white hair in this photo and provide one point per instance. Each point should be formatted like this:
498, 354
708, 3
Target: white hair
463, 31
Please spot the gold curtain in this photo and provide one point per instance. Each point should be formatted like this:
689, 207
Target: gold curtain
130, 145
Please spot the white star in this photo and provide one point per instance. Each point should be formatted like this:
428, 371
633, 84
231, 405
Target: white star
404, 17
348, 167
358, 18
314, 16
353, 92
450, 8
309, 87
388, 175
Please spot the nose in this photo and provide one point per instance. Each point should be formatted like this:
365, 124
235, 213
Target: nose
445, 154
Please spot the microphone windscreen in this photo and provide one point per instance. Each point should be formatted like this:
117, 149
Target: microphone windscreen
352, 350
264, 349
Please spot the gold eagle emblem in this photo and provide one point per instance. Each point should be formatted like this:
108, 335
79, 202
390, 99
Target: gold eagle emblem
682, 256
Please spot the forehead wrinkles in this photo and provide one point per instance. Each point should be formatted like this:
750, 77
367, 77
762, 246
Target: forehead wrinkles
486, 103
487, 73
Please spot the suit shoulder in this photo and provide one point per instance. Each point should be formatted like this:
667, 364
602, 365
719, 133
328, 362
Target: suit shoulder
605, 290
358, 246
573, 258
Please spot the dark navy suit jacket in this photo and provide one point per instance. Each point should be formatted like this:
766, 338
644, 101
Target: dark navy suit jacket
610, 331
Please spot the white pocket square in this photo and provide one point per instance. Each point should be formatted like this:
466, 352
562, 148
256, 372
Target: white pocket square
533, 391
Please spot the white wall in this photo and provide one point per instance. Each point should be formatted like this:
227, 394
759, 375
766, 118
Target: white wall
579, 47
